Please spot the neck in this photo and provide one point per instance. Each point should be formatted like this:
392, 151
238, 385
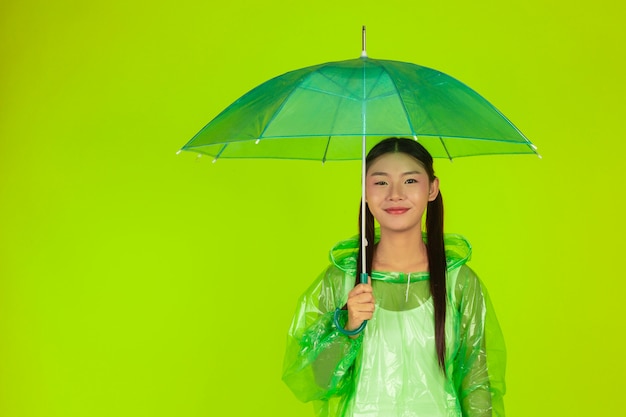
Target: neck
401, 251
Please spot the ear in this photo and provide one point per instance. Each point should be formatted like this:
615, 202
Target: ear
434, 190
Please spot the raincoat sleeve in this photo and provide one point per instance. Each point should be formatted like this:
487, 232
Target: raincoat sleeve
319, 359
481, 357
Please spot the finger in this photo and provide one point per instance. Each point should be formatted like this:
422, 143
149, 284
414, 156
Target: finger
356, 319
361, 288
362, 297
362, 313
361, 308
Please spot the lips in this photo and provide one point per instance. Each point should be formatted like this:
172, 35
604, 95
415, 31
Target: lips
396, 210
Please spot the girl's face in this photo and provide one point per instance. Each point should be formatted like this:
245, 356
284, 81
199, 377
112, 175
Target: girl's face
398, 190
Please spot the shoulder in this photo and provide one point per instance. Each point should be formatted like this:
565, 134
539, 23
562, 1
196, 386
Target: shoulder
343, 255
466, 278
467, 289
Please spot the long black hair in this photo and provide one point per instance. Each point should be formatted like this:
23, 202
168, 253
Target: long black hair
434, 235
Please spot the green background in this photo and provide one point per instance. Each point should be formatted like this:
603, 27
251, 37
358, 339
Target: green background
135, 282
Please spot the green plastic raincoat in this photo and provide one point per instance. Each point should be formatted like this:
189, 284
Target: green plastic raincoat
391, 370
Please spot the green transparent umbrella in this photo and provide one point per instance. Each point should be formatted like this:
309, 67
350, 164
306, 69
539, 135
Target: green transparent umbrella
324, 111
338, 110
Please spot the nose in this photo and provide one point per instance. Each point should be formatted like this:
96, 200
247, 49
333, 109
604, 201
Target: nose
395, 192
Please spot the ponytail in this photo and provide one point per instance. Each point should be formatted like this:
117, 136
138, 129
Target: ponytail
437, 267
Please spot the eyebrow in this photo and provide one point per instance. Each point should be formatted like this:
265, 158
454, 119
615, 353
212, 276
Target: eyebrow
403, 174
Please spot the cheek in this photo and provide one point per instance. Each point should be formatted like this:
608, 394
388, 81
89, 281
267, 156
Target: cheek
373, 193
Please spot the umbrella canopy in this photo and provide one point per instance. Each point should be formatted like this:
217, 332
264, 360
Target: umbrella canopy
322, 113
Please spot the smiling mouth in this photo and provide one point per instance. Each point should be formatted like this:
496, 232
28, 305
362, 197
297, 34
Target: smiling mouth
397, 210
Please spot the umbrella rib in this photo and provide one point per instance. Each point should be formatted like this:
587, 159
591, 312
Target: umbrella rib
428, 116
528, 142
348, 95
317, 90
406, 111
326, 150
278, 110
368, 98
341, 87
445, 148
220, 152
381, 96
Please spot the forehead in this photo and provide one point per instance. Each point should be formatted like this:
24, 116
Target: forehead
393, 162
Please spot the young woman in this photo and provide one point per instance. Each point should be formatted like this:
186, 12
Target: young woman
432, 346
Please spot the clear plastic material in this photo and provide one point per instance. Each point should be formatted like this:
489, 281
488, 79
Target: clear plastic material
391, 369
322, 112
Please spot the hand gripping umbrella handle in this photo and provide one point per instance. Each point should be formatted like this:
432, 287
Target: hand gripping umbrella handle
338, 310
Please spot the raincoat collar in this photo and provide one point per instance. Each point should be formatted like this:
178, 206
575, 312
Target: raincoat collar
344, 256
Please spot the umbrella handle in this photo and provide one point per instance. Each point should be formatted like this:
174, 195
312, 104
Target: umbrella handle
338, 310
344, 331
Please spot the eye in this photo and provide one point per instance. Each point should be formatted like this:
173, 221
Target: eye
411, 181
380, 183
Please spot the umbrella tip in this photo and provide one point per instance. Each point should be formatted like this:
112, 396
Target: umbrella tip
363, 44
534, 148
178, 151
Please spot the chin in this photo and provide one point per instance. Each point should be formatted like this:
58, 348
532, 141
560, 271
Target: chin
401, 228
